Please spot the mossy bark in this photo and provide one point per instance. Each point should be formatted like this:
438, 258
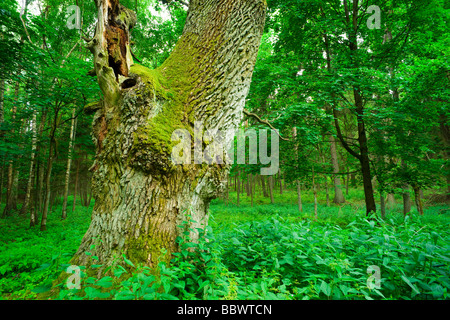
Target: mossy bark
140, 195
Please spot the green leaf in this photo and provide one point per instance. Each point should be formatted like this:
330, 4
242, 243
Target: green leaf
325, 288
104, 282
408, 282
42, 289
128, 261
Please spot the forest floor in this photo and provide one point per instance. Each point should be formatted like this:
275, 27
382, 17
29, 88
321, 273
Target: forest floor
264, 251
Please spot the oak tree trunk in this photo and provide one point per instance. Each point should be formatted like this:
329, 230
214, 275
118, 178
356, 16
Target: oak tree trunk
140, 195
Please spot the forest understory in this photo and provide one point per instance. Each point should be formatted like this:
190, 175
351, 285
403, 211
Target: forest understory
265, 251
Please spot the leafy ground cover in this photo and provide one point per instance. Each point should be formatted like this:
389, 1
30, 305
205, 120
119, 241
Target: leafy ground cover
269, 251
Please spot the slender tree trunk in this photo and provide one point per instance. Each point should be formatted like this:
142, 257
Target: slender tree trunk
263, 186
33, 198
249, 177
270, 182
315, 194
75, 189
406, 196
390, 200
48, 175
299, 196
69, 163
418, 200
238, 187
281, 181
326, 191
347, 182
338, 195
227, 191
41, 191
247, 187
26, 201
15, 194
364, 157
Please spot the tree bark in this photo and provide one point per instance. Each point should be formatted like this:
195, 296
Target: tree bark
141, 196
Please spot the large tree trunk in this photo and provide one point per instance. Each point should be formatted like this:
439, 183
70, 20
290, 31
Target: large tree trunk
140, 195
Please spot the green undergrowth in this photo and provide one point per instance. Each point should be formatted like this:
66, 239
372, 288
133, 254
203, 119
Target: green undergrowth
269, 251
30, 259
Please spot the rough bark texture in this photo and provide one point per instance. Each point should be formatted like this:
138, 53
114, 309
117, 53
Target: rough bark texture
140, 195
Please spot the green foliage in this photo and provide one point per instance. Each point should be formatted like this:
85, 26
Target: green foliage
262, 252
31, 259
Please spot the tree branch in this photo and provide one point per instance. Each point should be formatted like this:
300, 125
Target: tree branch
249, 114
341, 138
